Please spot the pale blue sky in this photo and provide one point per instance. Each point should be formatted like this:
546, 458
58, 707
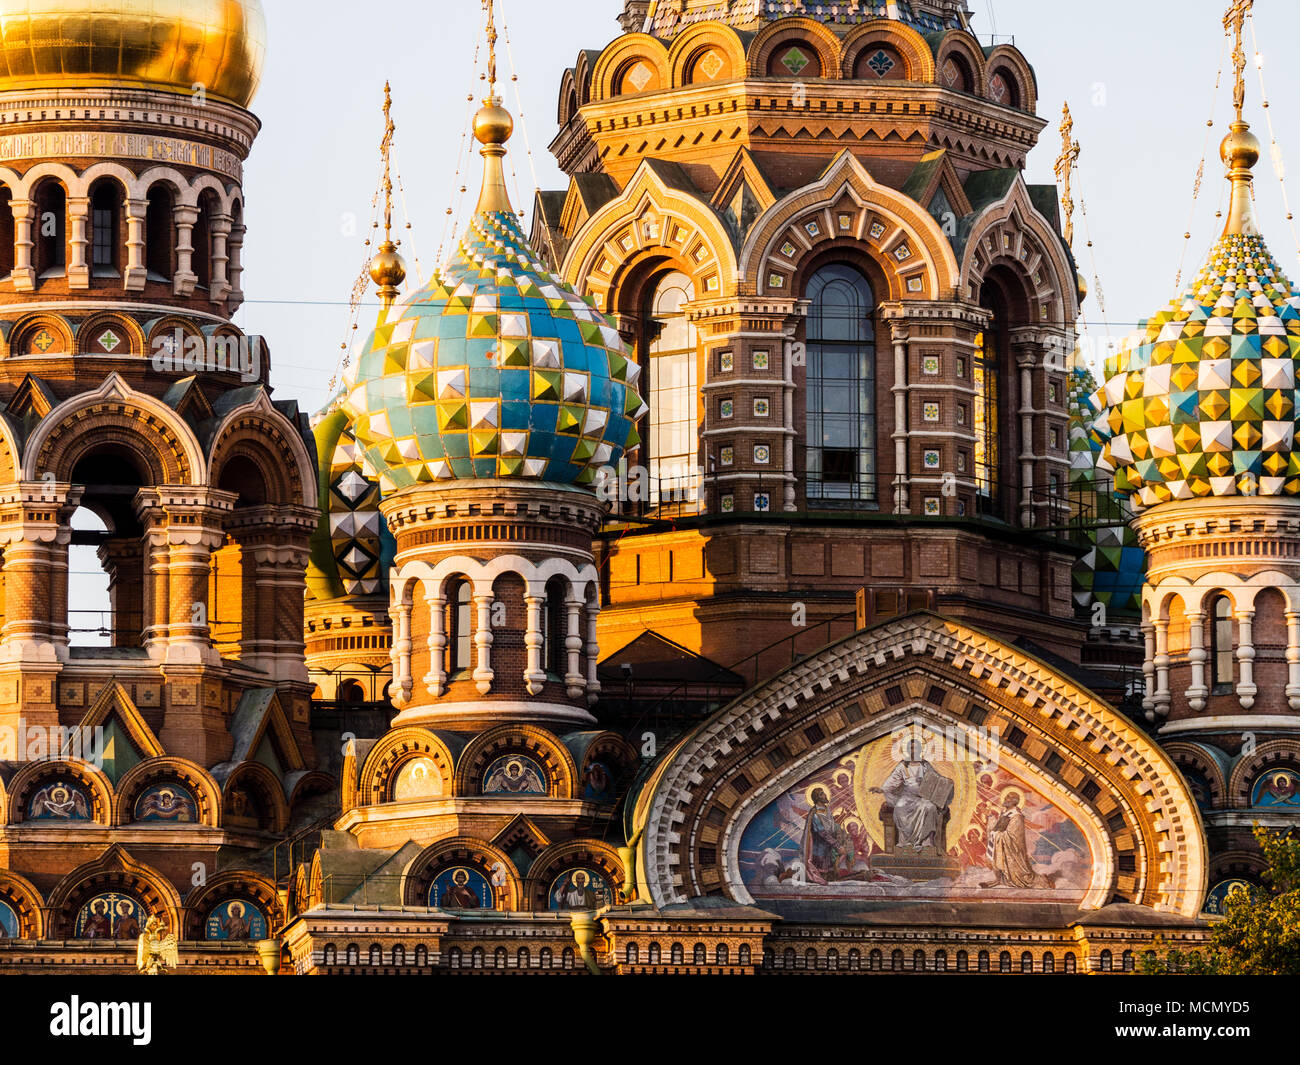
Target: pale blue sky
1139, 78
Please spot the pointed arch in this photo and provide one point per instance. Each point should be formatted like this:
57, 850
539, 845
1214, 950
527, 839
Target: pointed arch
115, 412
1011, 232
651, 216
1121, 790
114, 870
900, 234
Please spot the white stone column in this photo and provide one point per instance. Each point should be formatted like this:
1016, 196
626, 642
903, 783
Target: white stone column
534, 671
575, 683
219, 283
1149, 670
1245, 659
184, 280
78, 217
236, 268
135, 272
24, 275
436, 679
1293, 659
1197, 691
1162, 667
483, 675
593, 653
400, 654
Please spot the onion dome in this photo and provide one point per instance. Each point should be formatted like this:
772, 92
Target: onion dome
1114, 567
1201, 400
352, 548
173, 46
495, 368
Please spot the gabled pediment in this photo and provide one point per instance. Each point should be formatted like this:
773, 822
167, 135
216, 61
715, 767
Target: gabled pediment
262, 733
127, 737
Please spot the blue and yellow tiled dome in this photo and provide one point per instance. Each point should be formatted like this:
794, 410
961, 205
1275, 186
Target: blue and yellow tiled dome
495, 369
1201, 401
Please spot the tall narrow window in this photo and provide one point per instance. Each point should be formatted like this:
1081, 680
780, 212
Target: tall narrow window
51, 231
160, 240
985, 376
674, 435
104, 210
460, 640
841, 381
1221, 645
554, 629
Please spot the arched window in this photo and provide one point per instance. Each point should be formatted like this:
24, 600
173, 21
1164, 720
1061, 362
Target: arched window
1004, 962
840, 387
941, 961
700, 955
1105, 961
421, 955
376, 954
742, 955
1049, 962
105, 217
986, 379
160, 234
1221, 645
963, 961
1071, 964
353, 954
677, 955
896, 961
984, 961
673, 357
654, 953
521, 958
1026, 962
918, 961
875, 961
554, 628
202, 241
1127, 961
399, 955
331, 954
51, 233
6, 232
460, 633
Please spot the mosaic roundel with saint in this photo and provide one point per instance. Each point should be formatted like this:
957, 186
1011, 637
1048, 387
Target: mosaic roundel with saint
894, 819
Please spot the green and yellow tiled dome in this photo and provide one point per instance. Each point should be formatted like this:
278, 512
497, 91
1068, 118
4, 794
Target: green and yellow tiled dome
1114, 566
1201, 400
495, 369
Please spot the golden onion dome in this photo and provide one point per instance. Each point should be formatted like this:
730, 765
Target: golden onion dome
172, 45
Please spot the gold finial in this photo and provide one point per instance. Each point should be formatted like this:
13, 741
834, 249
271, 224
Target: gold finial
1240, 149
387, 269
492, 128
1064, 165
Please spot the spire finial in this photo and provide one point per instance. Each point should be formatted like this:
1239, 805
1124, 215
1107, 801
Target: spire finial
1239, 150
492, 128
387, 268
1064, 165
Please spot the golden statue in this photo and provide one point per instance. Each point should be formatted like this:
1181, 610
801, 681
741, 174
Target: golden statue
154, 951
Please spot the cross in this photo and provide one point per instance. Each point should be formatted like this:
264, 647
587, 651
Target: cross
385, 150
1233, 20
492, 48
1064, 165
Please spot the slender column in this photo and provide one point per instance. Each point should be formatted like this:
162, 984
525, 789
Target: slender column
1026, 364
1162, 666
1149, 671
1293, 659
236, 267
575, 683
158, 592
135, 242
901, 478
219, 285
184, 280
1245, 659
787, 411
24, 275
78, 216
483, 675
402, 648
593, 653
1197, 691
534, 673
436, 679
189, 633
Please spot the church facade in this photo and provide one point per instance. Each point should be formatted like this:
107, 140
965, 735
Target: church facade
705, 581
